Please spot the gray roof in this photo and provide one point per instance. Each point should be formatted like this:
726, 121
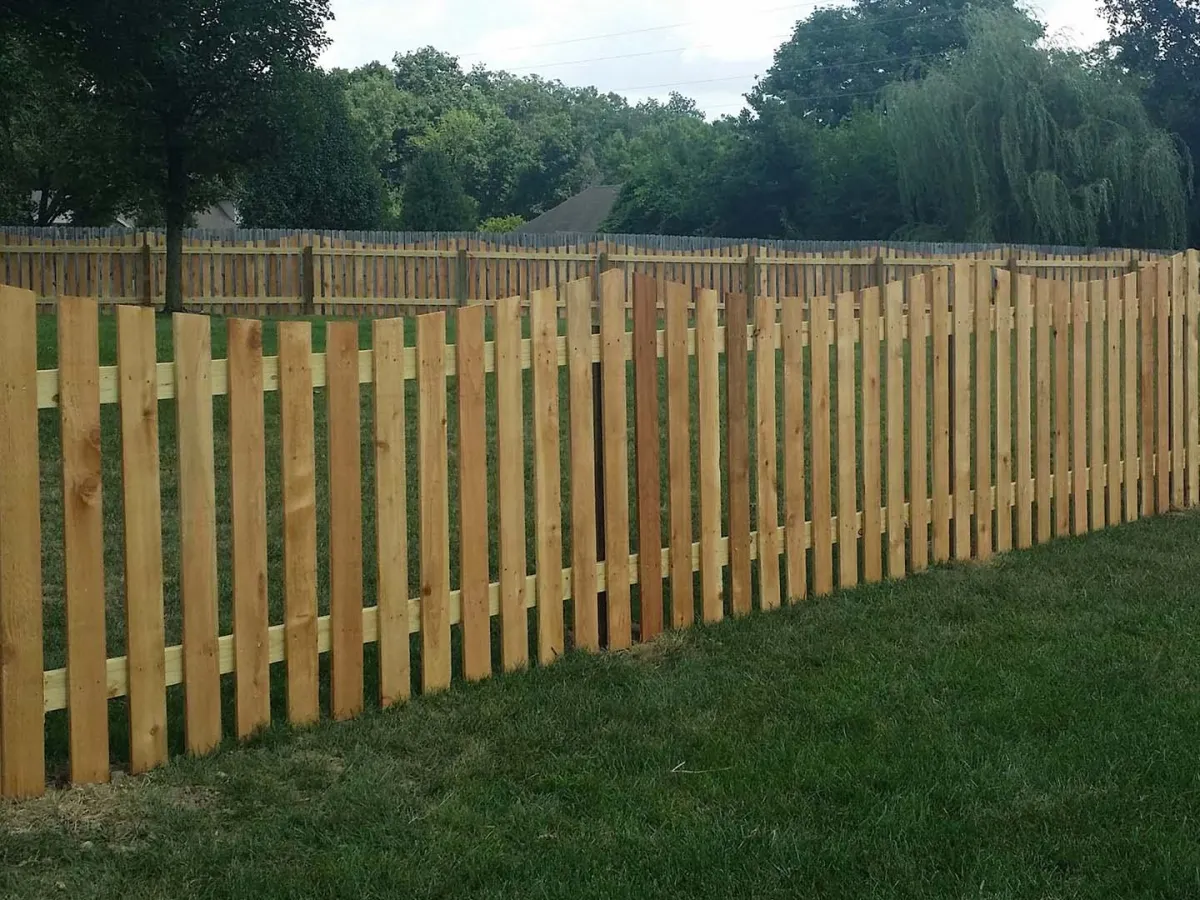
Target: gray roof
583, 213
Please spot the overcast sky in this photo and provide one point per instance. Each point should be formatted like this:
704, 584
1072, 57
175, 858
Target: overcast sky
707, 49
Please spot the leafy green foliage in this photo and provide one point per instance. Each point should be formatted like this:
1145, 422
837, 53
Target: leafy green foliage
322, 173
1012, 142
501, 224
434, 199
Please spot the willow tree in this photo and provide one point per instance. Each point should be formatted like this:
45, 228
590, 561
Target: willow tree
1013, 141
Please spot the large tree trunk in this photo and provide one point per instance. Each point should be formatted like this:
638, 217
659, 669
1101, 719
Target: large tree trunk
176, 212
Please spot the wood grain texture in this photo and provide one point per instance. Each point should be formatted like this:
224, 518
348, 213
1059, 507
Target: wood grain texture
22, 741
433, 472
820, 336
1177, 426
583, 465
983, 411
473, 493
191, 336
1062, 408
1162, 378
1129, 296
1023, 287
547, 475
1148, 391
1192, 377
919, 291
679, 453
613, 340
794, 383
510, 437
345, 519
847, 440
391, 510
709, 404
299, 488
248, 514
769, 544
893, 306
872, 445
1111, 386
737, 403
940, 313
143, 539
1003, 535
960, 383
83, 538
647, 454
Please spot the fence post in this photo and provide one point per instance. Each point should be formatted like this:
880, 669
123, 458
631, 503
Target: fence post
880, 279
308, 281
147, 272
461, 277
751, 279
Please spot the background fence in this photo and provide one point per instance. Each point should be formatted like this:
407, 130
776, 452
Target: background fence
834, 439
262, 273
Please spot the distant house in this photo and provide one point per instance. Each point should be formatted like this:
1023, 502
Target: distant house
223, 215
584, 213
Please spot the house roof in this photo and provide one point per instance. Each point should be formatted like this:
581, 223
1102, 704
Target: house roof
582, 214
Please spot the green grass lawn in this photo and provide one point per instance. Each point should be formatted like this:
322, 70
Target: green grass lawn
1026, 728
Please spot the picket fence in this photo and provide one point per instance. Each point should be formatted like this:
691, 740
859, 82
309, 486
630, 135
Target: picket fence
328, 273
890, 400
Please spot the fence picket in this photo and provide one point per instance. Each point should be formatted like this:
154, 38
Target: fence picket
1003, 535
22, 733
646, 449
822, 474
1192, 383
767, 452
514, 620
391, 512
738, 449
1147, 394
847, 438
432, 468
1162, 448
83, 537
872, 531
679, 453
793, 450
614, 339
942, 461
983, 292
143, 538
472, 494
583, 465
299, 521
345, 519
1129, 292
543, 331
1026, 379
248, 515
1110, 504
960, 383
709, 404
1176, 365
919, 290
1062, 408
191, 336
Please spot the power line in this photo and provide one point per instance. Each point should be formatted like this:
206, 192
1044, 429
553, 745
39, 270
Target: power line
807, 99
654, 28
836, 67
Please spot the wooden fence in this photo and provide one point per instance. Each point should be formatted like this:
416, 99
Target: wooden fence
858, 444
323, 274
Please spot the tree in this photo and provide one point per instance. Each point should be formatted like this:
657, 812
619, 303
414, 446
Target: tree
842, 57
191, 85
322, 175
1010, 142
1158, 41
434, 199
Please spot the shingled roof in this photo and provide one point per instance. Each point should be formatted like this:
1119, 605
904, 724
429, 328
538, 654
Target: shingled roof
582, 214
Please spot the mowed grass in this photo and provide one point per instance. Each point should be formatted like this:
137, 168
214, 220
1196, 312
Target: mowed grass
1025, 728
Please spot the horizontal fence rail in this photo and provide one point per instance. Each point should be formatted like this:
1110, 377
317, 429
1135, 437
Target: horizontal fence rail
267, 273
277, 508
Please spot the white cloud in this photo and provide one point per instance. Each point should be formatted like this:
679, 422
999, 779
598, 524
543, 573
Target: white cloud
620, 45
